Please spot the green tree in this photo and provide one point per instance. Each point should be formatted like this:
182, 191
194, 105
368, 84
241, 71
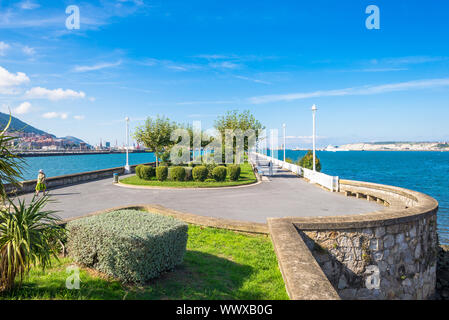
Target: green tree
307, 161
233, 120
155, 135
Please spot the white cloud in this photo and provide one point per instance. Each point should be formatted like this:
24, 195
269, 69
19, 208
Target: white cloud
224, 65
54, 95
213, 56
29, 51
365, 90
23, 108
10, 80
54, 115
28, 5
252, 80
408, 60
79, 117
98, 66
3, 48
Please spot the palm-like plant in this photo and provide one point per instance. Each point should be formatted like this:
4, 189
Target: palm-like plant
11, 165
28, 236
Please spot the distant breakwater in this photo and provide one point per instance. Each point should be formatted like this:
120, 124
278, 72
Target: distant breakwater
69, 153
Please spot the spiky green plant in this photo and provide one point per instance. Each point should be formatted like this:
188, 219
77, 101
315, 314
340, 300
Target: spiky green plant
11, 165
28, 236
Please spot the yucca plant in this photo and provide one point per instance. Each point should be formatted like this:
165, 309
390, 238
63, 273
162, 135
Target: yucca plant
11, 165
29, 236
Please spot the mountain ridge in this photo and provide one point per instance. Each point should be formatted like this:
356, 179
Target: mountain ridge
18, 125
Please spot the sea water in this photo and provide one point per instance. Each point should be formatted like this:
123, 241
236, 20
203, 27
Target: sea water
423, 171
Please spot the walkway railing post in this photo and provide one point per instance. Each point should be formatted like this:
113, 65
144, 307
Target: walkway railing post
127, 167
314, 109
283, 126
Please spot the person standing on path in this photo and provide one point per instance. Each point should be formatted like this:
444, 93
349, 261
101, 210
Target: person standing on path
270, 168
40, 186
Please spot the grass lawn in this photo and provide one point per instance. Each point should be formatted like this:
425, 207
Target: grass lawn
219, 264
246, 177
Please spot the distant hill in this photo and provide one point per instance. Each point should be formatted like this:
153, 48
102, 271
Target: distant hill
18, 125
397, 146
74, 139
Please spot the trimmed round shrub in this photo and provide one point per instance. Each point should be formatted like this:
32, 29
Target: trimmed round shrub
147, 172
138, 171
200, 173
130, 245
234, 172
161, 173
219, 173
177, 173
188, 173
210, 167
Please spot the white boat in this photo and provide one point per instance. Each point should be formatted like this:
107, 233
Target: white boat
333, 149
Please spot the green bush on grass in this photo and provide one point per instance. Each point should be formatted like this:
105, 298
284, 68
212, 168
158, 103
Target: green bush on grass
200, 173
138, 171
188, 171
147, 172
177, 173
219, 173
130, 245
161, 173
234, 172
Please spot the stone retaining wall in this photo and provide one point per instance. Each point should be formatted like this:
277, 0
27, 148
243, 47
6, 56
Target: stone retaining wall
29, 186
386, 254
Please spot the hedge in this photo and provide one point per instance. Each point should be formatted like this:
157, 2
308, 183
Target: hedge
177, 173
200, 173
188, 171
161, 173
130, 245
147, 172
219, 173
234, 172
210, 167
138, 171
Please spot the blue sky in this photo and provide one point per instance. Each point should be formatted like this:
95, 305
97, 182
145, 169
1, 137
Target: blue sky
193, 60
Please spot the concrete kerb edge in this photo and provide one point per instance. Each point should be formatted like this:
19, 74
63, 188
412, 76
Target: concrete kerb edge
219, 223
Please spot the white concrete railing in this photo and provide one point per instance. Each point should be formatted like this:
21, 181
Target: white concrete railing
325, 180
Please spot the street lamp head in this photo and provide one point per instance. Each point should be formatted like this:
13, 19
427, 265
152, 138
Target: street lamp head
314, 108
283, 125
127, 119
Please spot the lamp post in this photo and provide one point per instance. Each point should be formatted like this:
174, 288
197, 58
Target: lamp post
283, 127
127, 167
314, 109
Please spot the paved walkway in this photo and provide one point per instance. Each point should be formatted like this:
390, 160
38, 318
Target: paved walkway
282, 195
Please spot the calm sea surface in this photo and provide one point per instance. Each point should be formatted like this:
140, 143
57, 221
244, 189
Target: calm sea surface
427, 172
60, 165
